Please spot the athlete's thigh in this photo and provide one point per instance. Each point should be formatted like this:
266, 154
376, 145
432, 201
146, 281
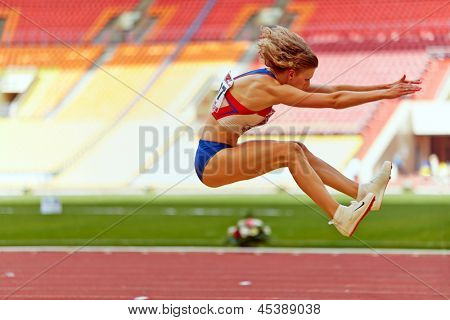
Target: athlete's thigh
246, 161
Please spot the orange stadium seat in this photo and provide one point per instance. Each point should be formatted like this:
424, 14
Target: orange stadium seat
127, 54
49, 56
213, 51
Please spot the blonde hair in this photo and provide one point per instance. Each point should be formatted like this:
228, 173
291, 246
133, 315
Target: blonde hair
283, 49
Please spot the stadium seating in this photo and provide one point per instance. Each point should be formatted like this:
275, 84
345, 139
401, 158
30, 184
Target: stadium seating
433, 77
228, 17
173, 18
111, 89
49, 56
435, 74
58, 69
92, 111
319, 21
341, 22
47, 91
52, 21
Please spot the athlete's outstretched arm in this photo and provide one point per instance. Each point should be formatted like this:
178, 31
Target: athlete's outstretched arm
289, 95
318, 88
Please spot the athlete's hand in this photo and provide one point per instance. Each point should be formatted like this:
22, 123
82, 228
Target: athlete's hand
403, 80
401, 89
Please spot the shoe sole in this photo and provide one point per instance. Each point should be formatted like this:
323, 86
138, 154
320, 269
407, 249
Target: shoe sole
362, 217
381, 194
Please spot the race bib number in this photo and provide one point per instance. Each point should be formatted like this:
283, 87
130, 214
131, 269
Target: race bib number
226, 84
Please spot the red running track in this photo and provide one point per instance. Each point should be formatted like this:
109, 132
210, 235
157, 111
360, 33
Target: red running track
159, 275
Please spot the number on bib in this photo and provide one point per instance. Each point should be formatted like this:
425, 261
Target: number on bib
226, 84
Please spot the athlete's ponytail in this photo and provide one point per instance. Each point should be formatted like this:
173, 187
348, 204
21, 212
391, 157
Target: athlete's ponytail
283, 49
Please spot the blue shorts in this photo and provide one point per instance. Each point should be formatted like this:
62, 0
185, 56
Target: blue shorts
205, 151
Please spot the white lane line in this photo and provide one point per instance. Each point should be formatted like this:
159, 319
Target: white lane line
223, 250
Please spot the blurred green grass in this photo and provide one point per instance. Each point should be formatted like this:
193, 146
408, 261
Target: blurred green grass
406, 221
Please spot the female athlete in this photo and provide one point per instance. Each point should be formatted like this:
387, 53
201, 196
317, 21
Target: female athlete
246, 101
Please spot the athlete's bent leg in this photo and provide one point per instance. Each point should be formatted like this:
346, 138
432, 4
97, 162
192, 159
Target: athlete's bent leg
254, 158
330, 176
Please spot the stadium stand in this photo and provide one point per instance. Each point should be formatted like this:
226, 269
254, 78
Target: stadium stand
435, 74
107, 92
52, 21
433, 77
319, 21
220, 26
92, 110
339, 23
58, 69
49, 88
48, 56
172, 17
35, 146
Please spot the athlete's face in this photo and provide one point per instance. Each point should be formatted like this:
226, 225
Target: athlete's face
300, 78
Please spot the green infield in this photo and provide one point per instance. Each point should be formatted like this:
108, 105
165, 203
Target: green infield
407, 221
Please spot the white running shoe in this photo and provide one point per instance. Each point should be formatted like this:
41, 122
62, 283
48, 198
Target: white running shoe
347, 219
377, 186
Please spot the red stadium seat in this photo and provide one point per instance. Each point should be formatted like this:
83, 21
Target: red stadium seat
346, 22
228, 17
173, 18
52, 21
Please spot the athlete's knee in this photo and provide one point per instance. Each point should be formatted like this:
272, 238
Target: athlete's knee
309, 155
297, 149
294, 152
302, 146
